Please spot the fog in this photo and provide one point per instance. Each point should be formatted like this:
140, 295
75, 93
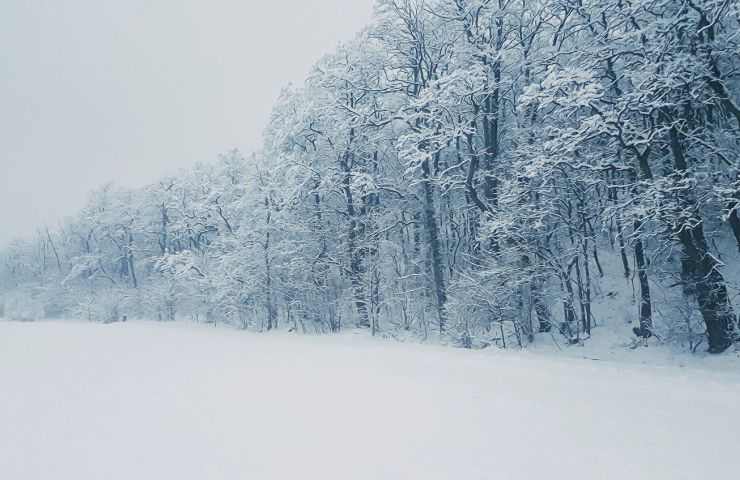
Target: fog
93, 91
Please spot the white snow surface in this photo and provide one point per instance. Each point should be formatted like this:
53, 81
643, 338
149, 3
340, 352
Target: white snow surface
145, 400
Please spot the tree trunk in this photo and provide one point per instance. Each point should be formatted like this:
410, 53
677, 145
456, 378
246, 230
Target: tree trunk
646, 309
430, 223
700, 268
130, 259
354, 253
271, 314
733, 218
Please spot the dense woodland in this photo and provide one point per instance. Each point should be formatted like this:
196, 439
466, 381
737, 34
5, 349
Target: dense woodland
464, 170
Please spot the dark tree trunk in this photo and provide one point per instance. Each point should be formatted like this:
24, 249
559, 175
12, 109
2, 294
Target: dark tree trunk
355, 254
622, 249
541, 309
646, 309
733, 218
130, 259
734, 222
271, 314
430, 223
163, 237
491, 119
569, 311
709, 287
700, 268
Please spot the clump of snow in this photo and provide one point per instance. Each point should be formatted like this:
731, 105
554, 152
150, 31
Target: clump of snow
141, 400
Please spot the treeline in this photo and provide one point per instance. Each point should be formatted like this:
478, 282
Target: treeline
464, 168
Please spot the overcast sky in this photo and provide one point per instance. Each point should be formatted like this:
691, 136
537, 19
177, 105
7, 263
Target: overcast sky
129, 90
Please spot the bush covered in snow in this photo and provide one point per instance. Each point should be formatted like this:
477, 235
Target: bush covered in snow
22, 305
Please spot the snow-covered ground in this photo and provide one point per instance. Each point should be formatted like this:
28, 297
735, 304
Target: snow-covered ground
144, 400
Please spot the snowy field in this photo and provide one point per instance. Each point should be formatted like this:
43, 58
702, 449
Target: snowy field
144, 400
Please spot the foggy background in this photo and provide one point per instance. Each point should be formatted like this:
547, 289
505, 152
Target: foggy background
128, 90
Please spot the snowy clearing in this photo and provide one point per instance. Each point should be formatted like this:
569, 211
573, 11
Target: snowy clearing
144, 400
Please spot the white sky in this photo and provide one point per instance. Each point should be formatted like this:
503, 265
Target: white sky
128, 90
